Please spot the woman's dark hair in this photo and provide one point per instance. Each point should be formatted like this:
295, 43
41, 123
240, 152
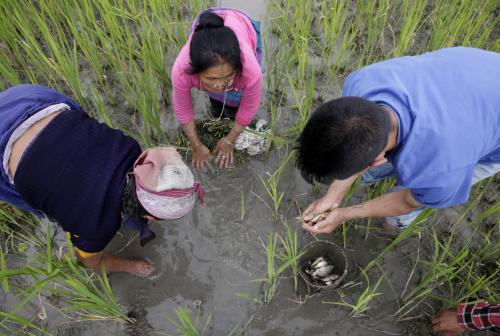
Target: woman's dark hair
131, 207
212, 43
341, 138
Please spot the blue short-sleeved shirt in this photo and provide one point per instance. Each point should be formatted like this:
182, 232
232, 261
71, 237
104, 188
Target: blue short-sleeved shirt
448, 107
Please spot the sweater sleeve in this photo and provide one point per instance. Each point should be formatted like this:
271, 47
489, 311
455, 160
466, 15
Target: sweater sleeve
250, 99
181, 88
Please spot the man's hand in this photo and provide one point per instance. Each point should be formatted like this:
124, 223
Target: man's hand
446, 322
333, 220
331, 200
201, 155
319, 206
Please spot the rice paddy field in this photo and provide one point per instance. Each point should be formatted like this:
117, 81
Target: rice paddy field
231, 268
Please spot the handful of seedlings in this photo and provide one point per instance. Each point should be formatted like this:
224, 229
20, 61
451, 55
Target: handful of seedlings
322, 271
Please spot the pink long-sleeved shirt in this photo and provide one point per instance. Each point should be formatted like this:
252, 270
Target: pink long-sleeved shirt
249, 80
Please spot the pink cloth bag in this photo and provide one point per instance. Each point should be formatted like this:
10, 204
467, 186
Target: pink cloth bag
165, 186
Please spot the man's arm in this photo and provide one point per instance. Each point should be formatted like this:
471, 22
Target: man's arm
112, 263
395, 203
392, 204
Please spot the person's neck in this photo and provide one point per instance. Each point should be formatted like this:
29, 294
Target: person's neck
392, 140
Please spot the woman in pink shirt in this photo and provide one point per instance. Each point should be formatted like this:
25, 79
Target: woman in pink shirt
221, 57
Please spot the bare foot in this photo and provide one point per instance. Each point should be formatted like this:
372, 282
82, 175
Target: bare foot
141, 268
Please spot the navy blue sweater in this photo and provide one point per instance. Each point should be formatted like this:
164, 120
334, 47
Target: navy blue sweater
75, 172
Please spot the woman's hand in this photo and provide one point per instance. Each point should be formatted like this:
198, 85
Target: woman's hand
224, 153
201, 155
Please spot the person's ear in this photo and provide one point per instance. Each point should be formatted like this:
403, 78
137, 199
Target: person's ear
380, 159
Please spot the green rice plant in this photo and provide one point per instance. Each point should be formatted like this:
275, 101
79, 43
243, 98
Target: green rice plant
82, 295
443, 266
333, 19
17, 229
455, 268
371, 18
271, 282
411, 15
8, 75
410, 230
124, 44
3, 268
290, 251
27, 326
302, 101
362, 303
271, 185
187, 325
345, 50
456, 22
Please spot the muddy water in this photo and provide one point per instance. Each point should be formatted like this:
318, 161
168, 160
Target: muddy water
211, 255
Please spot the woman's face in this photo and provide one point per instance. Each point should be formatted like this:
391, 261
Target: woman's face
218, 78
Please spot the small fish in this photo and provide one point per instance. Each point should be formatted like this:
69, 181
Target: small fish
319, 217
318, 260
331, 277
323, 271
321, 264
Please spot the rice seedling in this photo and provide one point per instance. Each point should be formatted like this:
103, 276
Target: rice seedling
371, 17
188, 325
467, 23
333, 19
410, 230
303, 101
81, 295
361, 305
271, 282
411, 15
290, 252
271, 186
23, 325
454, 268
122, 53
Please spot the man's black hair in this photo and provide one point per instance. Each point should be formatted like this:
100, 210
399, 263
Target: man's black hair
341, 138
212, 42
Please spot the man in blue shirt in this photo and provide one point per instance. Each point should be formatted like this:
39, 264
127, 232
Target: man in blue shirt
432, 120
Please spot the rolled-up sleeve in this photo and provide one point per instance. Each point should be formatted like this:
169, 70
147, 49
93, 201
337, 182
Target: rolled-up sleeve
250, 100
181, 89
